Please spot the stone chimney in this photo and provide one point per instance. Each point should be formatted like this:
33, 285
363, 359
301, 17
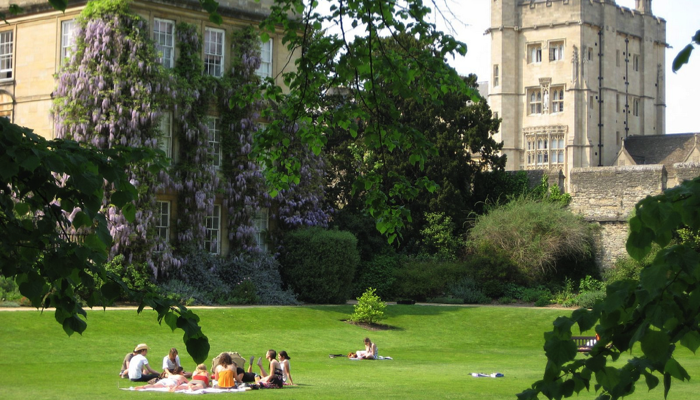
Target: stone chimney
643, 6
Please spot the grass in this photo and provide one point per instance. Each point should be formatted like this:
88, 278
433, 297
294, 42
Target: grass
435, 348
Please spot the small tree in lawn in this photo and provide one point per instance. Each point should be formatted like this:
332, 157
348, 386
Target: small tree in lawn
369, 308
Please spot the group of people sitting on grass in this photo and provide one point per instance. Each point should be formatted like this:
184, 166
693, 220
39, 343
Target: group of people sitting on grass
226, 374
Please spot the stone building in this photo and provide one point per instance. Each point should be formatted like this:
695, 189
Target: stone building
35, 43
572, 78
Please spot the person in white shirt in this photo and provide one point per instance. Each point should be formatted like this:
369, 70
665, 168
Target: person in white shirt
172, 361
139, 364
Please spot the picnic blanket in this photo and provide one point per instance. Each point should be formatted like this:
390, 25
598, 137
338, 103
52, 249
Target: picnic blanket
187, 391
378, 358
494, 375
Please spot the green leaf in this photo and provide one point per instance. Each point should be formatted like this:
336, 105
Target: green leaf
111, 291
129, 212
655, 345
691, 340
59, 4
198, 348
74, 324
264, 37
682, 58
81, 219
674, 369
120, 197
560, 351
651, 380
31, 163
171, 320
93, 242
22, 208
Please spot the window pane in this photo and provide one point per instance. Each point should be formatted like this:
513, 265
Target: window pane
6, 43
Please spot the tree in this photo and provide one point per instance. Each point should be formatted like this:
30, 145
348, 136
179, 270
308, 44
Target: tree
48, 189
658, 312
372, 74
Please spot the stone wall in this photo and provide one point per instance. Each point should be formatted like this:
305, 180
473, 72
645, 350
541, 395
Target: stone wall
607, 196
609, 242
610, 193
682, 172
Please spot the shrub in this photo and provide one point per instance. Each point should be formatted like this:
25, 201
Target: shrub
533, 234
492, 265
319, 265
590, 284
629, 268
369, 308
438, 237
263, 272
9, 291
506, 300
543, 301
378, 273
138, 277
467, 290
183, 293
419, 279
244, 293
588, 299
493, 289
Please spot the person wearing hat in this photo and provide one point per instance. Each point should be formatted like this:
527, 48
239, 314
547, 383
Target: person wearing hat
139, 364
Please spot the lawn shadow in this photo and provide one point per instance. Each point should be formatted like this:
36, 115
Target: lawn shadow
397, 310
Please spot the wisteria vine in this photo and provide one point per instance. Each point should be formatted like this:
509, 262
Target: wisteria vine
113, 91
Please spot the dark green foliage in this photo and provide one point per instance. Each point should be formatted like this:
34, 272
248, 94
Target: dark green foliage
486, 265
378, 273
419, 278
9, 291
138, 277
468, 291
244, 293
237, 279
588, 299
493, 289
263, 271
319, 265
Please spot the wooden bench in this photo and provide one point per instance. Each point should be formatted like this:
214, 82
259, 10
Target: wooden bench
584, 344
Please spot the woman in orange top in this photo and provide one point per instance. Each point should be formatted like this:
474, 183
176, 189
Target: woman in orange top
224, 372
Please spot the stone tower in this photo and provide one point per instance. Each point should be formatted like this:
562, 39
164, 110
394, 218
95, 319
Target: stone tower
572, 78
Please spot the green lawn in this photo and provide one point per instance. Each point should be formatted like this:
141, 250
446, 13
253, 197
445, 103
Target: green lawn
434, 350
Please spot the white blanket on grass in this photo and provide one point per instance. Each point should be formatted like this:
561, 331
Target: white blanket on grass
187, 391
378, 358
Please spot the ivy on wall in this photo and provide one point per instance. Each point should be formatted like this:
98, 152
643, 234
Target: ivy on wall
113, 90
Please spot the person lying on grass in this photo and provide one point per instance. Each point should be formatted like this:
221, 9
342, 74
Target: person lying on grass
172, 381
274, 379
243, 376
200, 378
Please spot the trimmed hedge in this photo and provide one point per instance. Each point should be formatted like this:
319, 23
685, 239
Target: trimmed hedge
319, 265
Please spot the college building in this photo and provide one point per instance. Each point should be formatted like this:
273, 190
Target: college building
35, 44
572, 79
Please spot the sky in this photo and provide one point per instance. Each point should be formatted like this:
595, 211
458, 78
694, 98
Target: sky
682, 21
